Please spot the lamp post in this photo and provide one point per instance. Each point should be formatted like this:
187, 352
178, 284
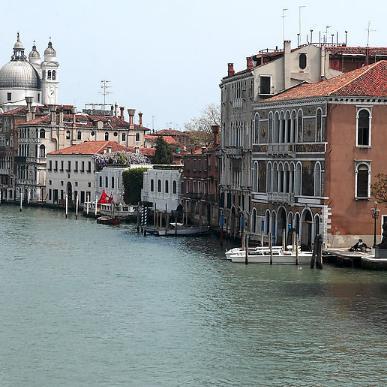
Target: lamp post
375, 215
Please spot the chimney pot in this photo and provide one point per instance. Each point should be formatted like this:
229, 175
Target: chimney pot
215, 132
230, 69
250, 63
140, 119
122, 112
131, 113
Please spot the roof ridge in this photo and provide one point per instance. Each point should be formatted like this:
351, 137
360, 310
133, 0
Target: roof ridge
361, 73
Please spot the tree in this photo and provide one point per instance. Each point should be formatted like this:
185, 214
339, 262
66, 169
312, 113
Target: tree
163, 153
199, 128
379, 188
132, 179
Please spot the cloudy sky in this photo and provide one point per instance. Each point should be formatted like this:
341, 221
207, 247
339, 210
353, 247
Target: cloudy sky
166, 58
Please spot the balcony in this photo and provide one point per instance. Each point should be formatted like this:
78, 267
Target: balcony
281, 150
281, 197
234, 152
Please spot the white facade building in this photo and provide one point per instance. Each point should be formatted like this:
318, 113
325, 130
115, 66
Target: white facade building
161, 186
71, 172
110, 180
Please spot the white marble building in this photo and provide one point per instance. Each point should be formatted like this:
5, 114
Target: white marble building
161, 186
25, 77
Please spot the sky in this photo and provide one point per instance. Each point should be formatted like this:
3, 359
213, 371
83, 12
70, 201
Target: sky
167, 58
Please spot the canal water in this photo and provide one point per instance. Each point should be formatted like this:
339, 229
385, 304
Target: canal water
83, 304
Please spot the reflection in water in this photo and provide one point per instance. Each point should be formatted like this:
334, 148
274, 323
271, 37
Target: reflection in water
87, 304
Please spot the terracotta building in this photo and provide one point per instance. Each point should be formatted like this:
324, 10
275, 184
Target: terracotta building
317, 149
200, 178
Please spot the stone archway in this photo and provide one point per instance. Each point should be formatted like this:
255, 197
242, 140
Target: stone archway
306, 230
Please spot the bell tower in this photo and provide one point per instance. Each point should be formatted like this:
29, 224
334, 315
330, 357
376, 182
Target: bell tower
50, 83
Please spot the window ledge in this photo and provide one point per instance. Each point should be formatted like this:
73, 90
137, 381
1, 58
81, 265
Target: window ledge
360, 198
363, 146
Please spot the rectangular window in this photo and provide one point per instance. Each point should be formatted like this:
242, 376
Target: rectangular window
68, 166
265, 85
9, 96
83, 167
49, 194
79, 135
50, 166
112, 181
106, 182
56, 166
89, 167
76, 167
82, 196
61, 165
123, 136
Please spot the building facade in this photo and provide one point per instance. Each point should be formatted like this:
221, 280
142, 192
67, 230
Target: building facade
268, 73
71, 171
317, 150
162, 187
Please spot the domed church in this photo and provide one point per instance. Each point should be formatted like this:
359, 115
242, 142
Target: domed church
32, 77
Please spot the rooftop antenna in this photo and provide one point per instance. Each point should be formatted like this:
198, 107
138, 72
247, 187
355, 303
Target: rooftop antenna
326, 33
332, 38
283, 23
346, 37
153, 124
299, 21
105, 85
311, 36
369, 30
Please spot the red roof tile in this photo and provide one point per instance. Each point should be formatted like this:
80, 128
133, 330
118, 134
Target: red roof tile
90, 148
368, 81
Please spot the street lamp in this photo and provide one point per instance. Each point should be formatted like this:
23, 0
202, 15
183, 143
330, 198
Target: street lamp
375, 215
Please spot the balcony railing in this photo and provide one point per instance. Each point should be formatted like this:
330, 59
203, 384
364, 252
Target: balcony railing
281, 149
281, 197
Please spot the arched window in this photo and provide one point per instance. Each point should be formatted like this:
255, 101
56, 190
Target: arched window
256, 129
254, 221
316, 224
302, 61
270, 139
166, 186
318, 125
267, 222
362, 181
299, 126
317, 179
268, 174
275, 178
53, 75
49, 74
159, 185
174, 186
106, 136
363, 128
68, 135
152, 185
254, 177
293, 127
42, 133
42, 151
276, 128
298, 179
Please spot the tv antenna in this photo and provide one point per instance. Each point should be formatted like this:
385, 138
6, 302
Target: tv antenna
299, 22
283, 23
369, 30
105, 85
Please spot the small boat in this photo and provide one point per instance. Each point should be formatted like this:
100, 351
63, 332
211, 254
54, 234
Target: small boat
179, 229
279, 256
108, 220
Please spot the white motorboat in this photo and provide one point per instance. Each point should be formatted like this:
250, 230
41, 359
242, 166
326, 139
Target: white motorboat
278, 256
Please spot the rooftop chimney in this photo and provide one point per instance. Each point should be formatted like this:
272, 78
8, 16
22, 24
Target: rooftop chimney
230, 70
215, 132
122, 112
30, 114
116, 109
131, 118
140, 119
250, 63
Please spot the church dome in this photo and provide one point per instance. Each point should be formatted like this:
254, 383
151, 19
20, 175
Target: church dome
34, 54
19, 74
49, 51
